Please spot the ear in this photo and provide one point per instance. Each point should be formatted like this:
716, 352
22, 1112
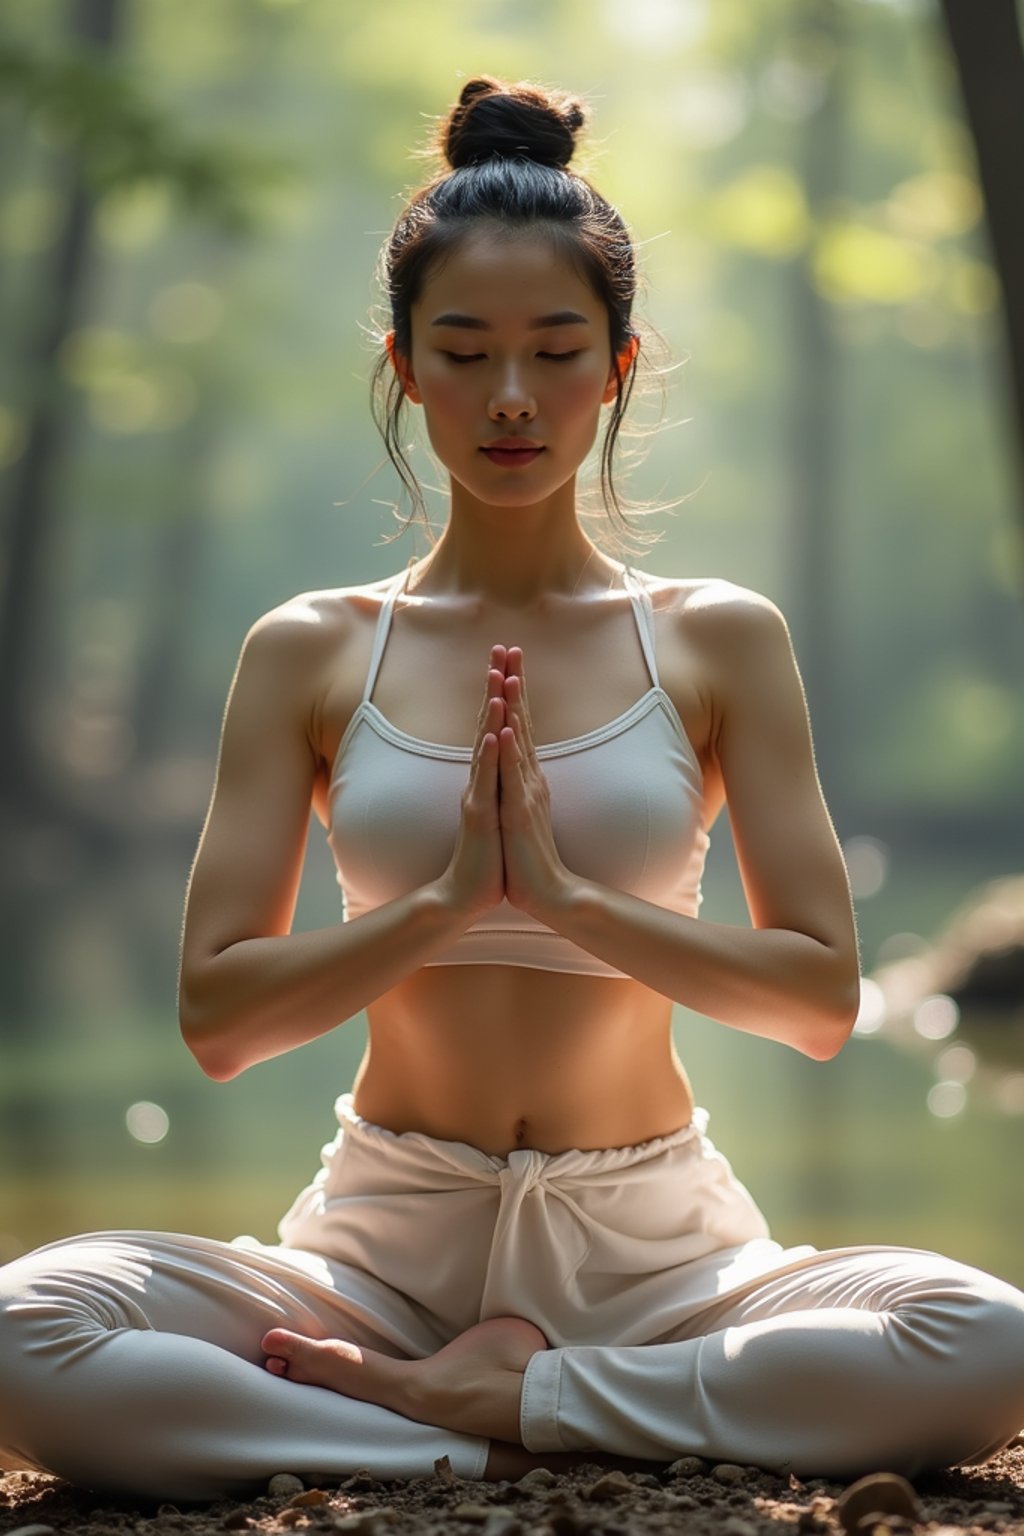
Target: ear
624, 361
403, 368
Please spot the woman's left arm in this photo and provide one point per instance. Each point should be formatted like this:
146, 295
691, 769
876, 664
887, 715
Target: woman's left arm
794, 976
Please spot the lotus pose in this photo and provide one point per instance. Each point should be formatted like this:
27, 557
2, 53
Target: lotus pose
522, 1247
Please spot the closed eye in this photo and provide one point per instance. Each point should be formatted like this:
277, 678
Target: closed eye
474, 357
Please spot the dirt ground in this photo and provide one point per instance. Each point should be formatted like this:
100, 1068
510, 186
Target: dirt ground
691, 1497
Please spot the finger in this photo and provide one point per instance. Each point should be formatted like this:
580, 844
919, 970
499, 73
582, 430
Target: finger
493, 690
519, 715
511, 755
483, 782
492, 718
514, 669
487, 759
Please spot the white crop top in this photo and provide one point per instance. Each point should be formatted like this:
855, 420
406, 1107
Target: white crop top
626, 812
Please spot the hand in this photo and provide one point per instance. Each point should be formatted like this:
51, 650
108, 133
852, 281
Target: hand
474, 882
535, 877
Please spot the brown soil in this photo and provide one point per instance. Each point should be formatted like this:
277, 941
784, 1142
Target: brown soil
695, 1500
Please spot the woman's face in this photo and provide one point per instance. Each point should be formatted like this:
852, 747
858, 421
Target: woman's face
484, 369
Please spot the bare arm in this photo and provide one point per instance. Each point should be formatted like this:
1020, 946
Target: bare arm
794, 976
249, 989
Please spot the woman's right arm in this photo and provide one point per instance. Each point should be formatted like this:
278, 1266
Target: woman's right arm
249, 989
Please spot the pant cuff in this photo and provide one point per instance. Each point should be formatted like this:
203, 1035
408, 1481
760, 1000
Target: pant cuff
468, 1457
538, 1405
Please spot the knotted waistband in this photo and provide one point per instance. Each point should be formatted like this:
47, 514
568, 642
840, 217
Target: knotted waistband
460, 1162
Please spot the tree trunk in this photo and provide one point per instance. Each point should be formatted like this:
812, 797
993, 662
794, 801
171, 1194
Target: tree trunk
986, 46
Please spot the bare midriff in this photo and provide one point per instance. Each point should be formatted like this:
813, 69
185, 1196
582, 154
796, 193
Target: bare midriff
505, 1057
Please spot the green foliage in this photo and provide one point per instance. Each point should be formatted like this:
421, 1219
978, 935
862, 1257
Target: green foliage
124, 139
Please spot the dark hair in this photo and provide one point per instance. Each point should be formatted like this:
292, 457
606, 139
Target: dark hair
507, 148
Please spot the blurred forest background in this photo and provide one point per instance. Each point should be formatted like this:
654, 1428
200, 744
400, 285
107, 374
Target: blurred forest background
825, 194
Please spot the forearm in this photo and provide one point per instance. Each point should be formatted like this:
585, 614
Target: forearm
773, 982
261, 997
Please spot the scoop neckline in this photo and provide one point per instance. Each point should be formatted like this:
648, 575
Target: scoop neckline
446, 752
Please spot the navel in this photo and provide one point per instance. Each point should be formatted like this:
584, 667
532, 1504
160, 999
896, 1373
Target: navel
520, 1132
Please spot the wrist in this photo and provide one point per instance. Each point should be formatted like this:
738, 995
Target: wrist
569, 893
442, 896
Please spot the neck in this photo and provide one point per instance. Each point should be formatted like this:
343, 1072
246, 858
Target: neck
514, 558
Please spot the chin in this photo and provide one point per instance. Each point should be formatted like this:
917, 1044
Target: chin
510, 494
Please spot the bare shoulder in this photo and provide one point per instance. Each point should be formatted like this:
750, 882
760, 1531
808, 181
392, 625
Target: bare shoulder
305, 660
716, 604
311, 626
308, 618
729, 626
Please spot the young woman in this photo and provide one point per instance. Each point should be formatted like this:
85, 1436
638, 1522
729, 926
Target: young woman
522, 1247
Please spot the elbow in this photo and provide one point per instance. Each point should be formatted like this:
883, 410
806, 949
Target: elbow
201, 1041
834, 1025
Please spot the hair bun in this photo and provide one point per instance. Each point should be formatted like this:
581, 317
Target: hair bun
493, 117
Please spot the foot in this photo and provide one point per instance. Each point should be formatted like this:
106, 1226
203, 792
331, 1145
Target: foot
473, 1385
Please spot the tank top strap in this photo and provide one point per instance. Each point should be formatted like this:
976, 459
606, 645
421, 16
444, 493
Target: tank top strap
643, 611
380, 634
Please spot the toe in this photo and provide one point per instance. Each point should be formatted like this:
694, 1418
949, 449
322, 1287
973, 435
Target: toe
279, 1341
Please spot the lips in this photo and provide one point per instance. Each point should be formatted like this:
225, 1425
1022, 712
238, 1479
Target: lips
515, 458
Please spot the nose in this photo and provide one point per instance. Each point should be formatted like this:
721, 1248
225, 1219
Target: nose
512, 399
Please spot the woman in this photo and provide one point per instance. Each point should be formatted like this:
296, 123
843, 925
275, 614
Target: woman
522, 1248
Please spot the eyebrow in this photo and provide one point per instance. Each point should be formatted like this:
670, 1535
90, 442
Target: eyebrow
542, 323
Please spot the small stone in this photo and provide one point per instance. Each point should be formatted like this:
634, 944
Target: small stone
289, 1517
988, 1521
472, 1511
34, 1530
314, 1496
728, 1472
238, 1520
877, 1523
362, 1478
644, 1480
165, 1510
537, 1477
680, 1501
443, 1470
283, 1484
881, 1494
735, 1525
612, 1486
687, 1466
998, 1507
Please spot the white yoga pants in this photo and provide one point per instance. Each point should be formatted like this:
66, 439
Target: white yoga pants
130, 1361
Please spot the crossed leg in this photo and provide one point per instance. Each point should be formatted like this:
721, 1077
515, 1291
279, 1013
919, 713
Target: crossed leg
855, 1359
133, 1362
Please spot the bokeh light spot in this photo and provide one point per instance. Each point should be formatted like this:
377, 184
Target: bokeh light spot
867, 862
936, 1017
947, 1099
147, 1122
957, 1064
871, 1014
